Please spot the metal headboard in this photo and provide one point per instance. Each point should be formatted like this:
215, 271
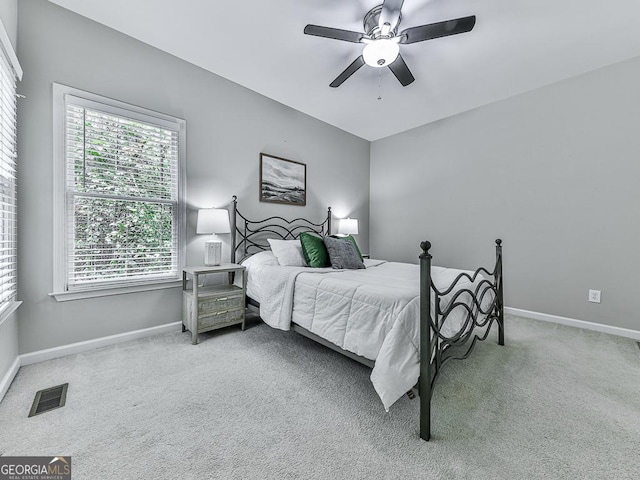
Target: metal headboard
249, 237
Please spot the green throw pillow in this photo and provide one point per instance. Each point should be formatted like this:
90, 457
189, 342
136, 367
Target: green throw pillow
353, 240
314, 251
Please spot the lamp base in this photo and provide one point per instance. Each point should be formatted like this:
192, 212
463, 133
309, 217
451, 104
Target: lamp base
212, 253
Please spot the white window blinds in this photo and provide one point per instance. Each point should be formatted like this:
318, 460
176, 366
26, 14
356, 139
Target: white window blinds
8, 240
122, 195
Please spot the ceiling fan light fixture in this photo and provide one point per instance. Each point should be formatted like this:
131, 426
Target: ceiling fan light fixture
381, 52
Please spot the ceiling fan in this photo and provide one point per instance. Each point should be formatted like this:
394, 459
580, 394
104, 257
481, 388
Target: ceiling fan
383, 41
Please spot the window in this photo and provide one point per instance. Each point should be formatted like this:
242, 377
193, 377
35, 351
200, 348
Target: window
120, 217
9, 72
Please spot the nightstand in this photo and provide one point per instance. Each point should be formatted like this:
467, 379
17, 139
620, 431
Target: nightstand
212, 307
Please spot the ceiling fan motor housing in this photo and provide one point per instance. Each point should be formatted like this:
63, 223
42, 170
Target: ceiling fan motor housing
372, 20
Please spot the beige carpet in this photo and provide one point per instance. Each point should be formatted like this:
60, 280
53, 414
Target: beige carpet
555, 402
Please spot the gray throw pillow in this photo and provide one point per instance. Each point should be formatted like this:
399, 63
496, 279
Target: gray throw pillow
342, 254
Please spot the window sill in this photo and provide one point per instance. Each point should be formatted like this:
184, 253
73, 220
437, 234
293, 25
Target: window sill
8, 311
108, 291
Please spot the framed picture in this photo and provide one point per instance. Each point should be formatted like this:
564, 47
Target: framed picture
282, 180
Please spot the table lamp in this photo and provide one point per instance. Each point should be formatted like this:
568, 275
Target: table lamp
348, 226
213, 221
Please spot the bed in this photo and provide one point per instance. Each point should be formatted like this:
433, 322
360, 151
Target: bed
405, 321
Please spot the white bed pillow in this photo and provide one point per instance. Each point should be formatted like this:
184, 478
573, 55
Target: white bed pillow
261, 259
288, 252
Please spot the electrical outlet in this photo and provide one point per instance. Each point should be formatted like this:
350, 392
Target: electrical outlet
594, 296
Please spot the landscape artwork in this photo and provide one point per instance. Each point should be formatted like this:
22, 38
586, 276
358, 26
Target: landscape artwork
282, 180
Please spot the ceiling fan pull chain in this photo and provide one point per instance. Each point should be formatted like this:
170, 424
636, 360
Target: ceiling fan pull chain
379, 84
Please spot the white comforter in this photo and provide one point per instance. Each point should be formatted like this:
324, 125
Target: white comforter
373, 312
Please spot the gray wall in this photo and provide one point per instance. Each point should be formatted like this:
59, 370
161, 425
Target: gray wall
227, 127
8, 328
553, 172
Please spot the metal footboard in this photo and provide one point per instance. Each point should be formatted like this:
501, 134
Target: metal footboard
485, 307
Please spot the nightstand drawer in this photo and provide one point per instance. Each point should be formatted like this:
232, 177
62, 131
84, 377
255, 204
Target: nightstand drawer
207, 306
221, 318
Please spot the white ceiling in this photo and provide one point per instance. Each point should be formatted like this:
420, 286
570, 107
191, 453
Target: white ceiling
516, 46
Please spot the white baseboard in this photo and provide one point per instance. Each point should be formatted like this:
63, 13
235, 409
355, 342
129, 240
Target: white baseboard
5, 383
64, 350
572, 322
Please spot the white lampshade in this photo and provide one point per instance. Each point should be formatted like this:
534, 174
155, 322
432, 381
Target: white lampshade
213, 220
348, 226
381, 53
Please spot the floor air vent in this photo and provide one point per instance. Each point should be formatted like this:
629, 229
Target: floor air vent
49, 399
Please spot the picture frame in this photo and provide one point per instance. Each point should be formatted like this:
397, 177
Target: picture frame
282, 181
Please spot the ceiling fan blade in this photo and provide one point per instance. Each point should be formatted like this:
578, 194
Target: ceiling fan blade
390, 14
335, 33
401, 71
350, 70
436, 30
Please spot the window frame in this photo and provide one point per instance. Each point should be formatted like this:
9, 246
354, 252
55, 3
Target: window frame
61, 291
6, 49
